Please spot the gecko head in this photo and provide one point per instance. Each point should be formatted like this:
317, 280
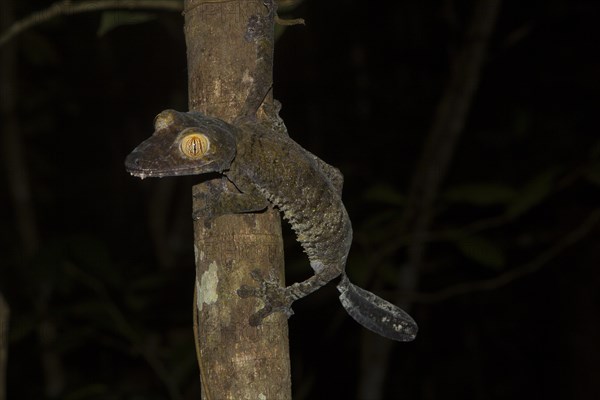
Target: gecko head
184, 144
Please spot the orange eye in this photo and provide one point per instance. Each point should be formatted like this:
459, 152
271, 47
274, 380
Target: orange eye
194, 145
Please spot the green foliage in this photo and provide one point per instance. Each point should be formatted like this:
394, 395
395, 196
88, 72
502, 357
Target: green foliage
516, 202
481, 194
533, 193
482, 250
384, 194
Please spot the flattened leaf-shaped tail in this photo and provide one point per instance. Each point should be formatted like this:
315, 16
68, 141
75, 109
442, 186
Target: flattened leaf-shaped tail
376, 314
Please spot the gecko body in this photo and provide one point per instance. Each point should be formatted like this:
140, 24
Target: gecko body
267, 166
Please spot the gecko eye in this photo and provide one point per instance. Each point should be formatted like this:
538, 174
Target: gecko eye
194, 145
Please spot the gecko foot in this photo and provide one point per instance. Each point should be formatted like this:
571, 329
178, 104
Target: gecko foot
275, 297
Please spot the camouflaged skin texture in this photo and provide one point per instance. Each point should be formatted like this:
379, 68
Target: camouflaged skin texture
303, 188
266, 165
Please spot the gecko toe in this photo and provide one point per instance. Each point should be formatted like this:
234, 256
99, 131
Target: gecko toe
275, 297
246, 291
256, 318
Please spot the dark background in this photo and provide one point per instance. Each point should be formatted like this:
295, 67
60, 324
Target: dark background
101, 291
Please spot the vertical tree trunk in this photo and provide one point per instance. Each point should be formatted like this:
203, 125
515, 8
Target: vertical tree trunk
225, 63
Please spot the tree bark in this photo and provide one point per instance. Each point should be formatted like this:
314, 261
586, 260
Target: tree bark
236, 360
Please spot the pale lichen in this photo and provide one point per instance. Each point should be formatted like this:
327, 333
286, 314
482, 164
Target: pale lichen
206, 289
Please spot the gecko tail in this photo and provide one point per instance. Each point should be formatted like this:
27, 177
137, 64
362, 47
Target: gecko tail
376, 314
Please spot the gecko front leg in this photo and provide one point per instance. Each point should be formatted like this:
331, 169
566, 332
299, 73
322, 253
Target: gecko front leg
216, 200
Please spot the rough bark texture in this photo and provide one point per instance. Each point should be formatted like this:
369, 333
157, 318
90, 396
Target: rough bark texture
236, 361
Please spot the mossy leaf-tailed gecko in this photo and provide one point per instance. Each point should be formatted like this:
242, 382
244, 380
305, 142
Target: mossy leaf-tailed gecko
267, 166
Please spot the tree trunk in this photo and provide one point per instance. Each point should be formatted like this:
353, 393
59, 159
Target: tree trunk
225, 64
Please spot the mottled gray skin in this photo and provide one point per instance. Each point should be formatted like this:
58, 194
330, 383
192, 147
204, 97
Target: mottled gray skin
305, 189
266, 165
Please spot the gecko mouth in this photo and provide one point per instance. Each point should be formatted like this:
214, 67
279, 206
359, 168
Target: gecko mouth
143, 168
142, 172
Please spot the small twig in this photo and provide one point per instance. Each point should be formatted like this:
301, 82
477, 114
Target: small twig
288, 5
289, 22
66, 7
504, 279
399, 241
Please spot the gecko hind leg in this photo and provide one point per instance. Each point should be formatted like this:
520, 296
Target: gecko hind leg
275, 297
